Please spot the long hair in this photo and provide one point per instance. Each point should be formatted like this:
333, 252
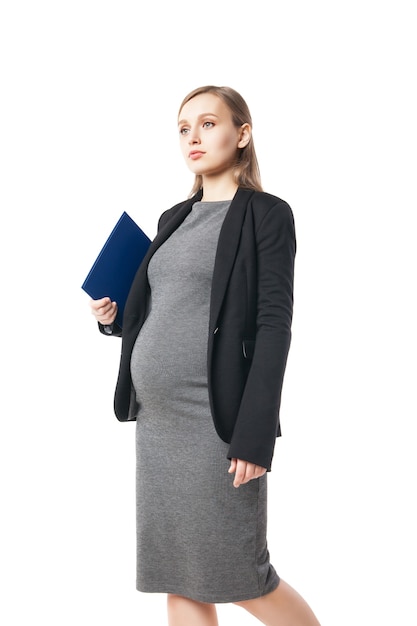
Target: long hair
246, 168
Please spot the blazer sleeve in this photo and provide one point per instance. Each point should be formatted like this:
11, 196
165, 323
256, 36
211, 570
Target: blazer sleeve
110, 330
257, 423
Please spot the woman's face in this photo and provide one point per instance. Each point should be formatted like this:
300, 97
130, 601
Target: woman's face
209, 140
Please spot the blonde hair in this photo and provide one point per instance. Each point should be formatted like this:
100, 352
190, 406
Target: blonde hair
246, 168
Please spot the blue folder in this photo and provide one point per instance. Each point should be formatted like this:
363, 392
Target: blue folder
115, 267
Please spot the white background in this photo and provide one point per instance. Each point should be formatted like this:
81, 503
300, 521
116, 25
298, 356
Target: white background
89, 98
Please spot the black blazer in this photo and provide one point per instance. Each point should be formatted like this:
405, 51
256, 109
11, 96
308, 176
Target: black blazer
250, 321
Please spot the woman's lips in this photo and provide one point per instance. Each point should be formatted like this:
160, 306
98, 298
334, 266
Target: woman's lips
196, 154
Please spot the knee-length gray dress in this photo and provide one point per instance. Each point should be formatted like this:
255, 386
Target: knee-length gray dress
197, 535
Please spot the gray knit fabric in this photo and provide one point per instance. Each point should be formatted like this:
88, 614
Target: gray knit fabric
197, 535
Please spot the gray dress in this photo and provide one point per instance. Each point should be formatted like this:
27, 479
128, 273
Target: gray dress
197, 535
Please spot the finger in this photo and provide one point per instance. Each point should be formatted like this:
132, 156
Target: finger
247, 471
232, 467
240, 473
106, 314
98, 304
250, 472
101, 312
254, 471
259, 471
110, 315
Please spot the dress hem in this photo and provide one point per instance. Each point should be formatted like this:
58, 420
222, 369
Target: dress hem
197, 597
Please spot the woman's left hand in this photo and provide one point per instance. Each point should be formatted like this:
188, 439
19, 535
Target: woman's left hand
244, 471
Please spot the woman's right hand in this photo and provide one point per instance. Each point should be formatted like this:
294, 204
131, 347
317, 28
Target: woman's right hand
104, 310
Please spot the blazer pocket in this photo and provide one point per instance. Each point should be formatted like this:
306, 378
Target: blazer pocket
248, 348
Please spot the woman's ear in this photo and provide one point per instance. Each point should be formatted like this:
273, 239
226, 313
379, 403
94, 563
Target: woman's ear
245, 133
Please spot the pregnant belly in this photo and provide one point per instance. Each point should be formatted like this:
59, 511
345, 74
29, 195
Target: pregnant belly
168, 358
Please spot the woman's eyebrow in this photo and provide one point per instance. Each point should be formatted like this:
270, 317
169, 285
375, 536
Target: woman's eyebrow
199, 117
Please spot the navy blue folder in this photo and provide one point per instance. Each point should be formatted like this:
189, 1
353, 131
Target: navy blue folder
115, 267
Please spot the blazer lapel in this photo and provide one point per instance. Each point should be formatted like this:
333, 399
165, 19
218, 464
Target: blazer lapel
227, 246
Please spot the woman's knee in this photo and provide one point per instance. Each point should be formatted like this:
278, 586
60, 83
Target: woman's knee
284, 605
180, 602
242, 603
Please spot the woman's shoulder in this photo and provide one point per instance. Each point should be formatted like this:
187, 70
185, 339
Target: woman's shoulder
263, 203
166, 215
267, 200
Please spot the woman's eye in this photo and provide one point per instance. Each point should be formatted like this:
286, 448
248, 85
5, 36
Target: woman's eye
183, 131
208, 124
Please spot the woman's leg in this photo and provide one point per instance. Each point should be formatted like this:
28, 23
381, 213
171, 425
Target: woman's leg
185, 612
282, 607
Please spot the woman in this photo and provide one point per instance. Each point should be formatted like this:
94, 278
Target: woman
205, 339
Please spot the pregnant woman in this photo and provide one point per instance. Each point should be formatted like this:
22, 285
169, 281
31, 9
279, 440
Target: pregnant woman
205, 339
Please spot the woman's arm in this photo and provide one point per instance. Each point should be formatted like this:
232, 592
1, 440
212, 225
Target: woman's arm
257, 422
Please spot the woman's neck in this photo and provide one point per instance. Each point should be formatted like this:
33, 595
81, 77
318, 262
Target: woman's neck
215, 190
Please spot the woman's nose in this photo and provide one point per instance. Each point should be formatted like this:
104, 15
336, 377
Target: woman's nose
193, 138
